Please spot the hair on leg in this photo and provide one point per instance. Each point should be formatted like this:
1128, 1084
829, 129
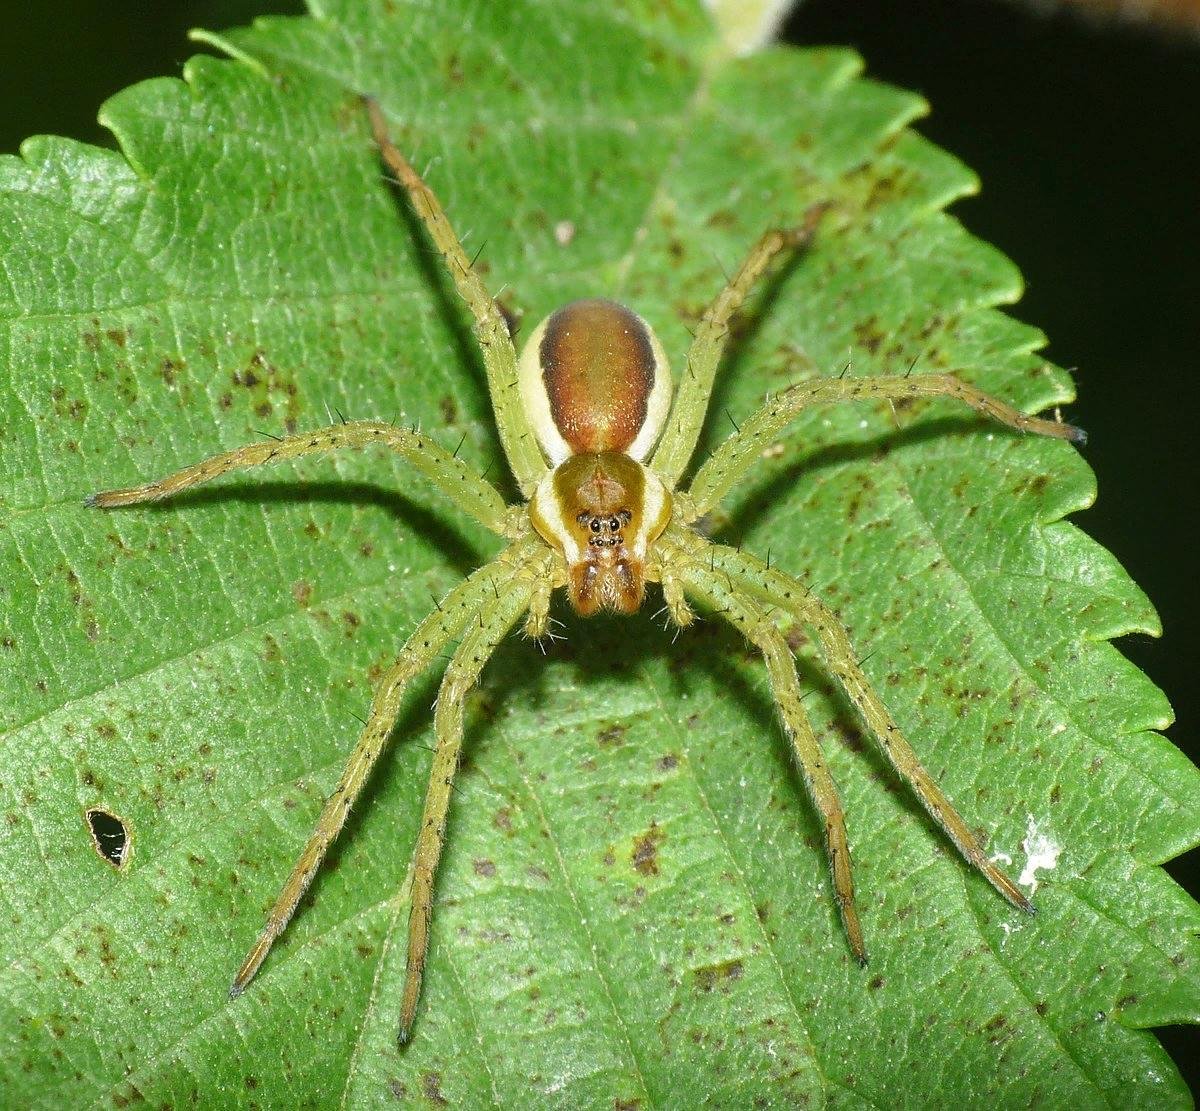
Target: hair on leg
420, 650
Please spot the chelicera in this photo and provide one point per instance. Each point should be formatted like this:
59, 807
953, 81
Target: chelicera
598, 442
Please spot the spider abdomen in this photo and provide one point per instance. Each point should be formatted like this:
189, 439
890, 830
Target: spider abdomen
595, 379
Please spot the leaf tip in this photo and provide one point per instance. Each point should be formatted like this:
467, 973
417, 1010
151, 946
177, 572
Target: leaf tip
223, 45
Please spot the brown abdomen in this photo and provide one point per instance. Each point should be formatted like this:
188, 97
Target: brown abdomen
598, 367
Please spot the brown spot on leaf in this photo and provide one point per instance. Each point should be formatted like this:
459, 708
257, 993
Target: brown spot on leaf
431, 1088
645, 850
68, 407
714, 975
868, 334
266, 382
612, 736
796, 637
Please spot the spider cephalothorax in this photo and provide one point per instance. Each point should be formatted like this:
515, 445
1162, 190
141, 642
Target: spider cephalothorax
601, 511
598, 444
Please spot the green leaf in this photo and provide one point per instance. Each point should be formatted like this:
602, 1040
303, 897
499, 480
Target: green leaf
634, 909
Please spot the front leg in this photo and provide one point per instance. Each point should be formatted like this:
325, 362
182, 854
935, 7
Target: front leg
420, 650
472, 493
729, 463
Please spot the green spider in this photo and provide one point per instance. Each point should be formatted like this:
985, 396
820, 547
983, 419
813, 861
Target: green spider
598, 442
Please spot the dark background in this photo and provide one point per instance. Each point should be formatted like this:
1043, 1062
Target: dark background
1087, 140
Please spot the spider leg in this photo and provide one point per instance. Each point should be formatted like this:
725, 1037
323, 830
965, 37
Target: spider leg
495, 344
712, 336
454, 478
719, 591
726, 466
420, 650
785, 592
497, 615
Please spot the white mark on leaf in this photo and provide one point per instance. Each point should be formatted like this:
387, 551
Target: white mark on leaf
1041, 855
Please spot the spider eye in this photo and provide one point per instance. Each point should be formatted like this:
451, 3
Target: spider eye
595, 525
613, 524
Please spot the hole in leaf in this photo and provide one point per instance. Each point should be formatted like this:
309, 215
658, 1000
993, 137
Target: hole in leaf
110, 836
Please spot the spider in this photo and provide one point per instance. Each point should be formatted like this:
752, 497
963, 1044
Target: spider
598, 442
